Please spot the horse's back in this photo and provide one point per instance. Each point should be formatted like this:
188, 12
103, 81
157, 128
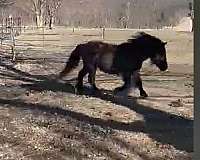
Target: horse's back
100, 54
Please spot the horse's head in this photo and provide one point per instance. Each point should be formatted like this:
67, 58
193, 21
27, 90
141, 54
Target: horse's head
159, 57
151, 47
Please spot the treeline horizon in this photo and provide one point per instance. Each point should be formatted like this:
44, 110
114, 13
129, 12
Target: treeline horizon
98, 13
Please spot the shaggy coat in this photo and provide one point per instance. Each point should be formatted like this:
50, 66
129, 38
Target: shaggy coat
124, 59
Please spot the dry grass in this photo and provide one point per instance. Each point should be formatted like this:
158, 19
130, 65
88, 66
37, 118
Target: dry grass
43, 119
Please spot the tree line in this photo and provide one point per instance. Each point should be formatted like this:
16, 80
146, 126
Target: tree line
98, 13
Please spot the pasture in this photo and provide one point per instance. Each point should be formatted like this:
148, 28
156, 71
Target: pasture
41, 118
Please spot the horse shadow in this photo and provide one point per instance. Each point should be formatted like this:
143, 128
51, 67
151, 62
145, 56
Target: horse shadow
166, 128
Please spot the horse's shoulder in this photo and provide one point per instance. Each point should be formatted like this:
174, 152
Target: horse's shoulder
124, 45
95, 43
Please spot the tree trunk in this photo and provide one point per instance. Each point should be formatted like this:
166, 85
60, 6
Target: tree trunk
40, 17
51, 21
39, 20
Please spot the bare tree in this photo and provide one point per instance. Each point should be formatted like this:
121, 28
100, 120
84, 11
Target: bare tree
191, 13
127, 13
38, 7
90, 13
51, 8
4, 4
122, 16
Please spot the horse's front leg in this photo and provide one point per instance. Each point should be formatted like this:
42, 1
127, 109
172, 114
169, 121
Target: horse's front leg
91, 77
81, 74
138, 83
127, 83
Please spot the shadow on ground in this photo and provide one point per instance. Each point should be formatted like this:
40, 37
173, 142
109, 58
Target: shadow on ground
161, 126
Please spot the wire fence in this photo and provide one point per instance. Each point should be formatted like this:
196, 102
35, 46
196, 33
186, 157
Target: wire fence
10, 28
41, 39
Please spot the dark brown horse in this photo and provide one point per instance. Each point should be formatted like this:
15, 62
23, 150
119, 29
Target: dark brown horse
124, 59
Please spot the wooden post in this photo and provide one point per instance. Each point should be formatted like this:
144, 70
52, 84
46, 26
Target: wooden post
13, 44
103, 33
43, 35
2, 33
19, 24
6, 25
13, 53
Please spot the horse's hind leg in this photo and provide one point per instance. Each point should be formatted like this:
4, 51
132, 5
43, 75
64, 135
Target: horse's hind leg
91, 77
81, 74
138, 83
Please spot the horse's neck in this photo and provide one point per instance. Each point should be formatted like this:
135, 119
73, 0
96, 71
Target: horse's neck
142, 56
145, 52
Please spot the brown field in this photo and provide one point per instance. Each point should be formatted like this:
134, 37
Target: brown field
42, 119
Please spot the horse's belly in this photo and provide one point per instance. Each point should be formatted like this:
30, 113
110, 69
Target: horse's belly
105, 62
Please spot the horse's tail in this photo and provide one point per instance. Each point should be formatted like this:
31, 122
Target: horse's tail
72, 62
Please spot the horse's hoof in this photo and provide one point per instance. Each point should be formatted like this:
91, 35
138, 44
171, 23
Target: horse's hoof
79, 86
78, 89
95, 88
96, 92
143, 95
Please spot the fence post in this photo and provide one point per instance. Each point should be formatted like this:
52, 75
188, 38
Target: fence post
2, 33
19, 24
6, 25
13, 53
10, 28
43, 35
13, 44
103, 33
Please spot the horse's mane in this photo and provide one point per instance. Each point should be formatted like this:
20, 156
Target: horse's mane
143, 37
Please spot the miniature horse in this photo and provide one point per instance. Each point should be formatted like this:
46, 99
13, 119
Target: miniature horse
124, 59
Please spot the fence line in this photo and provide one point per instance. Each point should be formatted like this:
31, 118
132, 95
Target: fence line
100, 33
9, 29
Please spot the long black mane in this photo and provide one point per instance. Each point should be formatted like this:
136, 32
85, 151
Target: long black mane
131, 54
144, 38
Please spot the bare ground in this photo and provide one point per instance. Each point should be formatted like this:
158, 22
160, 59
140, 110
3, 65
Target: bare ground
41, 118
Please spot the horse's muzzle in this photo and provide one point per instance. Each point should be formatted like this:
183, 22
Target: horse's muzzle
163, 67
